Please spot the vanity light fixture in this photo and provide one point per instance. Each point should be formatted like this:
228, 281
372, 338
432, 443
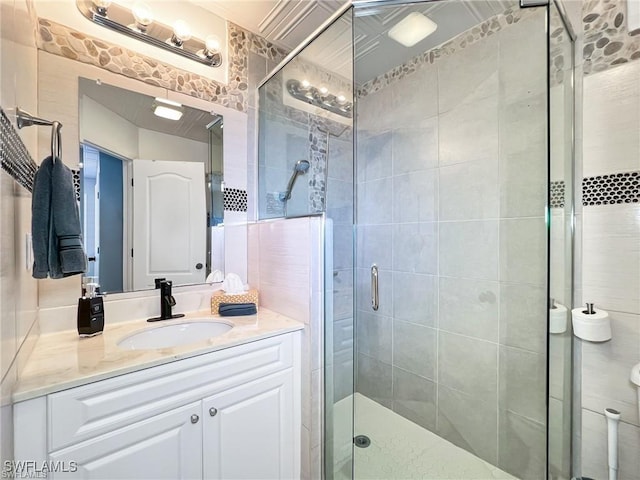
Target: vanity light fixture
412, 28
139, 22
320, 97
167, 109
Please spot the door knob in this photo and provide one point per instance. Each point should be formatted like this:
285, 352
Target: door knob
213, 411
194, 418
198, 266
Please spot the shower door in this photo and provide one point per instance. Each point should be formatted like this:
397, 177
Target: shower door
451, 242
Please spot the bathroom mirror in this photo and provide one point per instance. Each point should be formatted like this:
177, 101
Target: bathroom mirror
150, 188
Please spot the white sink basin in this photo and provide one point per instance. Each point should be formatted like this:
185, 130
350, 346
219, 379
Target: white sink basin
164, 336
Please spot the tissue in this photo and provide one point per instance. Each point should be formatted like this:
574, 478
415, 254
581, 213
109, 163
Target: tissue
232, 285
558, 319
591, 324
215, 277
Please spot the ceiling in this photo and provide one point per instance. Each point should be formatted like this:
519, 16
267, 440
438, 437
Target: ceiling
287, 23
137, 109
376, 53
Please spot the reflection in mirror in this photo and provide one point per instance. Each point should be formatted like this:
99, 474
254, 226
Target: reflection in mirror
151, 184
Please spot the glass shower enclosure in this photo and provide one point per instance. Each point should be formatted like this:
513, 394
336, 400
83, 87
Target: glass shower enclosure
446, 188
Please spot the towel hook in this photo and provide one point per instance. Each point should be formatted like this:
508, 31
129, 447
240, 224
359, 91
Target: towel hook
25, 119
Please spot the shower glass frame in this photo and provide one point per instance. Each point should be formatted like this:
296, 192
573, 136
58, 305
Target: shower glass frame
330, 372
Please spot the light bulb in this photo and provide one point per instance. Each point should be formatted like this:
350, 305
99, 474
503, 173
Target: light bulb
143, 15
181, 33
102, 6
323, 90
305, 83
212, 44
341, 98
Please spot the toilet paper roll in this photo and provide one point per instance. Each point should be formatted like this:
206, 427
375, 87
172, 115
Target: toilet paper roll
595, 327
558, 319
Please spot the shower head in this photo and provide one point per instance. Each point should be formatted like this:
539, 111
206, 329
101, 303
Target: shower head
300, 168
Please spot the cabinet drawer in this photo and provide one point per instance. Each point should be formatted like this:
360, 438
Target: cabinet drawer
166, 446
80, 413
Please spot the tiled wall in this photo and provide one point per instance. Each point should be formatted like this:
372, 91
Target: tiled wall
18, 291
283, 259
451, 188
611, 234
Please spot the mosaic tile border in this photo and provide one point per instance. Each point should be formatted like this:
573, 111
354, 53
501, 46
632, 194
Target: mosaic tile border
490, 27
612, 189
263, 47
607, 42
318, 144
556, 194
76, 183
560, 70
14, 156
235, 200
61, 40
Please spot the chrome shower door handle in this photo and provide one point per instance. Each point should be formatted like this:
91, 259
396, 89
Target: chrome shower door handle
374, 288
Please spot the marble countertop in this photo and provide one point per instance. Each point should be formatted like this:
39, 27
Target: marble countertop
63, 360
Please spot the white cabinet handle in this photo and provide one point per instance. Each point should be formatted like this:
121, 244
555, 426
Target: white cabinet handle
194, 418
213, 411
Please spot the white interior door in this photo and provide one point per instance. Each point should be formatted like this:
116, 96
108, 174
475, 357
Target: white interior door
169, 222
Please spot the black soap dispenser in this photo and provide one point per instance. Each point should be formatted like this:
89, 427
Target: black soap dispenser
90, 309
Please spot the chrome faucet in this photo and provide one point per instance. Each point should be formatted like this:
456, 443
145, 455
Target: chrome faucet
167, 302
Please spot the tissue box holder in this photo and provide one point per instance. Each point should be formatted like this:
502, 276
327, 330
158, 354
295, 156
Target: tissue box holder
219, 297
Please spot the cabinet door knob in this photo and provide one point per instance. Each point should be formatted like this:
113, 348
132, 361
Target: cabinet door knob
213, 411
194, 418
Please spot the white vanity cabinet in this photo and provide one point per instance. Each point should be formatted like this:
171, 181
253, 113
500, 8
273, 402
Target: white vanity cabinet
233, 413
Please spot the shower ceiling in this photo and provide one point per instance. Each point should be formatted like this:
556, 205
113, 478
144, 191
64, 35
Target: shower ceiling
376, 53
287, 23
283, 22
